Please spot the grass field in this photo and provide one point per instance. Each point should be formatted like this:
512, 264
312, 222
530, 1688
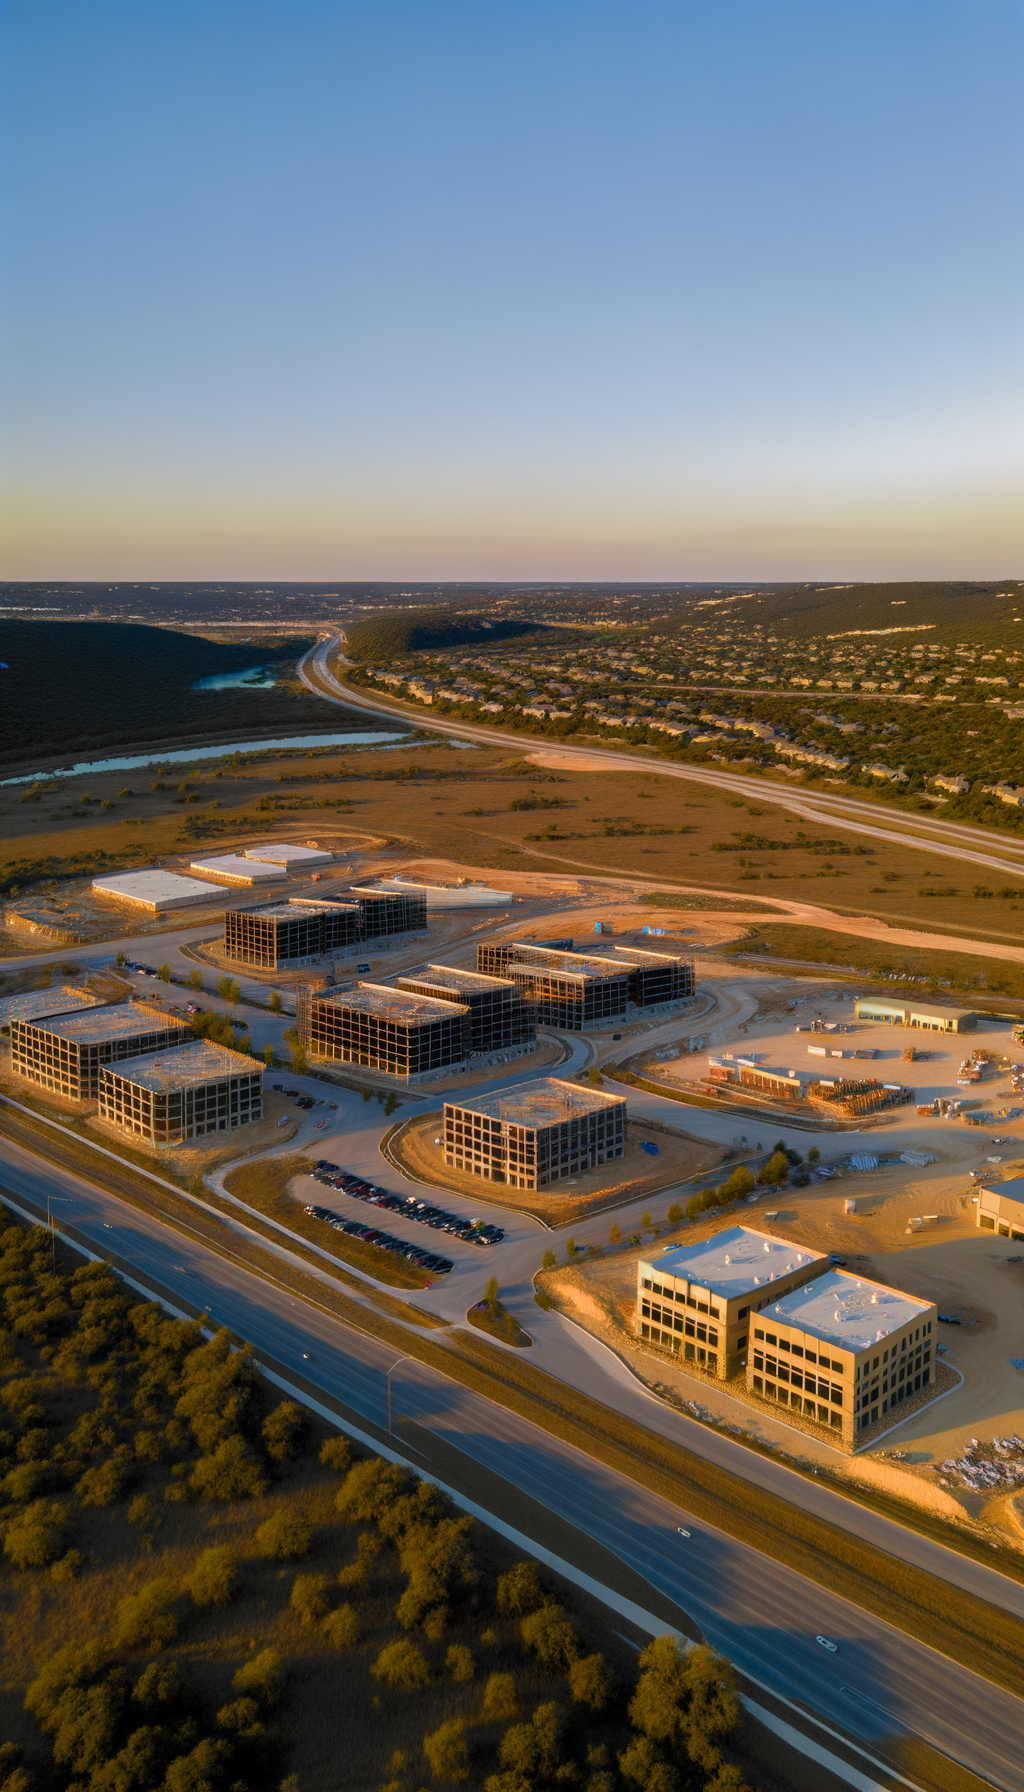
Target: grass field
956, 973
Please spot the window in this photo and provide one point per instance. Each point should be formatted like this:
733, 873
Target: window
758, 1333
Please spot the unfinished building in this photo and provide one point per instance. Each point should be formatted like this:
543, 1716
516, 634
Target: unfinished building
567, 989
186, 1093
388, 912
657, 977
534, 1135
855, 1097
66, 1052
387, 1030
499, 1018
290, 932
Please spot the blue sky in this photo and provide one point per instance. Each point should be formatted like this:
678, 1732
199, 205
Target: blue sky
512, 290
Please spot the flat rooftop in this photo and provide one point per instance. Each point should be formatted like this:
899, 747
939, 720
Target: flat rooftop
843, 1309
285, 853
296, 908
182, 1066
1010, 1190
120, 1020
544, 1102
36, 1004
735, 1262
641, 956
579, 962
154, 888
443, 976
232, 866
910, 1005
392, 1004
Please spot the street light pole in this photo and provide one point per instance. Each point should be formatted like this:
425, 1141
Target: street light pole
394, 1366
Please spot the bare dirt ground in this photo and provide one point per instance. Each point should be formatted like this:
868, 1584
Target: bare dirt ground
610, 1185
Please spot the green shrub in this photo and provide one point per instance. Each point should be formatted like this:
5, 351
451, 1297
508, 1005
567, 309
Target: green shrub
775, 1170
232, 1472
590, 1682
212, 1580
459, 1662
549, 1633
146, 1620
402, 1665
259, 1678
337, 1454
498, 1704
309, 1599
447, 1753
101, 1486
36, 1536
242, 1718
370, 1488
285, 1536
368, 1548
532, 1750
283, 1430
342, 1628
519, 1591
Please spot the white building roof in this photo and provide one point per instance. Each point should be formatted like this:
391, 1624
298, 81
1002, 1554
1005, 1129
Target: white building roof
735, 1262
155, 889
235, 870
447, 896
1010, 1190
285, 853
36, 1004
843, 1309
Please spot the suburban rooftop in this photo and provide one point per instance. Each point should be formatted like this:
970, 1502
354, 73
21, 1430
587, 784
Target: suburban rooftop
544, 1102
735, 1262
844, 1309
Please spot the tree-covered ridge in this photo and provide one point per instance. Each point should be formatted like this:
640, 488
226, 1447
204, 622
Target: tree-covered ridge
387, 636
305, 1602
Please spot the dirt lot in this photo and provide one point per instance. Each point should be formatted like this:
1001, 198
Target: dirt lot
600, 1190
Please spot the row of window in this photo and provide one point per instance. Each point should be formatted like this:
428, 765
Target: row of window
692, 1328
687, 1300
810, 1356
808, 1409
691, 1353
798, 1378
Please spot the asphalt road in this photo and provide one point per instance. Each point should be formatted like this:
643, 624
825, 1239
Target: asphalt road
878, 1685
968, 845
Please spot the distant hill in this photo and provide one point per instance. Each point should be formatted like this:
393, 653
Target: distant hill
387, 637
966, 610
72, 689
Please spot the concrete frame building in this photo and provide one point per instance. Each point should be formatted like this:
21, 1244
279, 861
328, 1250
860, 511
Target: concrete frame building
657, 977
186, 1093
499, 1019
388, 912
915, 1014
36, 1004
842, 1351
66, 1052
290, 932
1001, 1208
534, 1135
567, 989
388, 1030
697, 1300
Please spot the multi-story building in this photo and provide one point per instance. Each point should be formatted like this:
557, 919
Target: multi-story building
290, 933
536, 1134
697, 1300
387, 1030
656, 977
842, 1351
499, 1019
66, 1052
1001, 1207
567, 989
185, 1093
387, 912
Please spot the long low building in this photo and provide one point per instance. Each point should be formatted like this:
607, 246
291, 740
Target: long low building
387, 1030
157, 891
1001, 1207
934, 1019
696, 1300
291, 856
185, 1093
66, 1052
534, 1135
232, 868
842, 1351
463, 895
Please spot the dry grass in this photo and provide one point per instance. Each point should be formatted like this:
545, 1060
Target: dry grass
961, 971
264, 1185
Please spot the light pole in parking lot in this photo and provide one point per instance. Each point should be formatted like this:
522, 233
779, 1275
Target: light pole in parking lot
394, 1366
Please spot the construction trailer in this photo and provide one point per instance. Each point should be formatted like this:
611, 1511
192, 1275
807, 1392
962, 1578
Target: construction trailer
290, 932
66, 1052
568, 990
185, 1093
386, 1030
500, 1020
534, 1135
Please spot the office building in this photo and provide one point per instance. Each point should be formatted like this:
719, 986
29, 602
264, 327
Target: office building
697, 1300
842, 1351
66, 1052
169, 1097
1001, 1207
568, 990
535, 1135
387, 1030
499, 1019
289, 933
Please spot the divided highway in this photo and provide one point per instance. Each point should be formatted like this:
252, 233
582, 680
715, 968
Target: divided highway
877, 1685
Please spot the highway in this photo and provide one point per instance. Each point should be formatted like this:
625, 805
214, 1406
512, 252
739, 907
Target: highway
879, 1684
929, 833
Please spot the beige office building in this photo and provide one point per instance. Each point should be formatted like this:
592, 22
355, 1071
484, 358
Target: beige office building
1001, 1208
698, 1300
842, 1352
